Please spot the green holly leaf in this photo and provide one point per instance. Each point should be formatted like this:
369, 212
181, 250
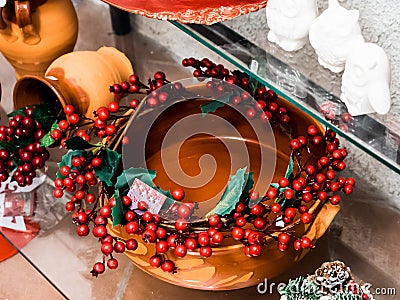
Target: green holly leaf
289, 169
20, 112
78, 143
231, 194
66, 160
117, 210
9, 147
213, 105
47, 140
110, 161
45, 114
249, 184
125, 180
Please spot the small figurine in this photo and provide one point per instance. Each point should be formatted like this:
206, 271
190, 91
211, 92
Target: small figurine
366, 80
289, 22
333, 34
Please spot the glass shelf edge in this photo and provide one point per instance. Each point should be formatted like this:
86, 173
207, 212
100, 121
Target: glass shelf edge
279, 90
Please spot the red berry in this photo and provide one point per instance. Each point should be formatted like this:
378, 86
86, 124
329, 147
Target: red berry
82, 230
73, 119
289, 194
191, 243
112, 263
181, 225
322, 195
350, 181
161, 233
180, 251
107, 248
317, 140
172, 241
178, 194
126, 201
203, 239
98, 268
312, 130
239, 207
310, 170
65, 170
306, 218
265, 116
69, 109
96, 162
134, 103
335, 199
348, 189
283, 182
103, 113
132, 227
184, 211
105, 211
99, 231
100, 220
110, 129
237, 233
305, 242
155, 261
255, 250
162, 247
149, 236
131, 244
257, 210
168, 266
107, 239
217, 238
282, 247
206, 251
90, 198
214, 220
241, 221
295, 144
58, 193
142, 205
283, 238
113, 107
82, 217
56, 134
69, 206
251, 113
297, 244
276, 207
290, 212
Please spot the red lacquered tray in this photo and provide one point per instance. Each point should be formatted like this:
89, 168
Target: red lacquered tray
190, 11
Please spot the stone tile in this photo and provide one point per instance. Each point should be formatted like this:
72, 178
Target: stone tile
26, 283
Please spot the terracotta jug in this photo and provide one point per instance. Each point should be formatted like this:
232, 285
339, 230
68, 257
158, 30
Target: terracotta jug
34, 33
79, 78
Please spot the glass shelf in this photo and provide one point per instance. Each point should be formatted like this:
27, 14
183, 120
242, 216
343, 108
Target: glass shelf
375, 137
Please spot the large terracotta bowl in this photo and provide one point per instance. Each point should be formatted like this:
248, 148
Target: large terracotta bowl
228, 268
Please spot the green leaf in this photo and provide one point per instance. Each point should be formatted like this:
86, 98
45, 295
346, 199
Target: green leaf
213, 105
66, 160
249, 184
125, 180
289, 169
7, 146
231, 194
78, 143
20, 112
110, 160
117, 210
45, 114
47, 140
301, 288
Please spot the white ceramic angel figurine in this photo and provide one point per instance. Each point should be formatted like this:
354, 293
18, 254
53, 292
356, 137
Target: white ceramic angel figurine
333, 34
366, 80
289, 22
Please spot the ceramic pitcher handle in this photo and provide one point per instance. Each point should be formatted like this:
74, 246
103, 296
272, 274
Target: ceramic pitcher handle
24, 21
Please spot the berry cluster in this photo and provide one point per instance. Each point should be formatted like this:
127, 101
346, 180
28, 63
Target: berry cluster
266, 107
289, 200
21, 148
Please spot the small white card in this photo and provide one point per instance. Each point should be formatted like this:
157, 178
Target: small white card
139, 191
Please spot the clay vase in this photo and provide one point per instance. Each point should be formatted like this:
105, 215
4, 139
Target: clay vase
228, 267
79, 78
34, 33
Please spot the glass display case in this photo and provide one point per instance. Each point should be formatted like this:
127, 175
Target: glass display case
364, 234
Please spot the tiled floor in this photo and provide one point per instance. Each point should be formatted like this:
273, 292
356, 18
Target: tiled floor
66, 259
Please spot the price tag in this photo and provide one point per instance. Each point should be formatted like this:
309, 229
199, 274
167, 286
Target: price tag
139, 191
254, 66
